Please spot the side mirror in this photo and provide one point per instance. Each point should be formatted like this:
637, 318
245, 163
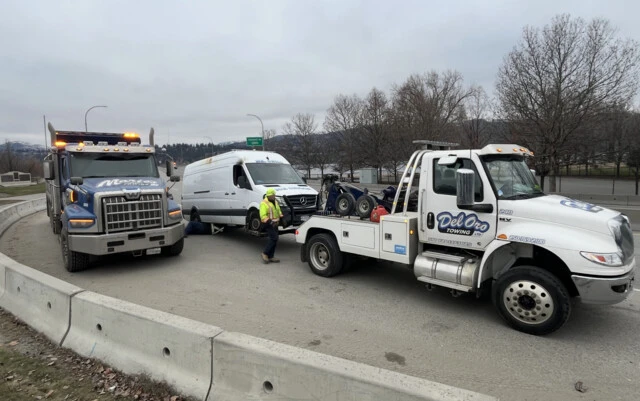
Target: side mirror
169, 168
465, 192
48, 170
174, 178
465, 181
76, 180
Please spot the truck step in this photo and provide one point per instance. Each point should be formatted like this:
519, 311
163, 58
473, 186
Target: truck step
446, 284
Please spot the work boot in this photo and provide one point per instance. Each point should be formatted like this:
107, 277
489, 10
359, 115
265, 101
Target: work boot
274, 260
265, 259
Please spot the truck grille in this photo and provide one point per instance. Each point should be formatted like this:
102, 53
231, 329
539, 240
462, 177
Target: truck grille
131, 215
302, 201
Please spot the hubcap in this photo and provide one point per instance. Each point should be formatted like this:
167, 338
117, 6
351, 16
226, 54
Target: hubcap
528, 302
343, 204
320, 256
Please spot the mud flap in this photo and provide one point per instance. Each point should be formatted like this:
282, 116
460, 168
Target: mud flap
303, 253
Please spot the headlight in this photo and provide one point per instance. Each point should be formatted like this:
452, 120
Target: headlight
81, 223
175, 214
280, 200
607, 259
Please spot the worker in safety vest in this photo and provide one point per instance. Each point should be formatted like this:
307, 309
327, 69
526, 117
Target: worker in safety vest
270, 215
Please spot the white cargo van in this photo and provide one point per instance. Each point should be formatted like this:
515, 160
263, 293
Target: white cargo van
226, 190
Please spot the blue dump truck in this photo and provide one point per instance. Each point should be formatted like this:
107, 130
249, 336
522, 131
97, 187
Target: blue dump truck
105, 196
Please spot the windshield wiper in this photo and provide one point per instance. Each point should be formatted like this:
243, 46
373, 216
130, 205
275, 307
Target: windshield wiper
523, 195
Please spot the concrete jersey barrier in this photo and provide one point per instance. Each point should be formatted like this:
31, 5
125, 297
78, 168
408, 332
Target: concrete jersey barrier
14, 212
137, 339
42, 301
250, 368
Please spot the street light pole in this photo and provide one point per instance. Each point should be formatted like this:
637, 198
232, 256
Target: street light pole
44, 121
85, 117
253, 115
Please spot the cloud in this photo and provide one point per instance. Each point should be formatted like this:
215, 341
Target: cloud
197, 68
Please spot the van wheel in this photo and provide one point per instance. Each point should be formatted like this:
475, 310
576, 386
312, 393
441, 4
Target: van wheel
532, 300
173, 250
253, 221
345, 203
365, 205
73, 261
324, 255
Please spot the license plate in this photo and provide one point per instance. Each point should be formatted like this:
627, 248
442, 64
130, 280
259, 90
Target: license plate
153, 251
305, 218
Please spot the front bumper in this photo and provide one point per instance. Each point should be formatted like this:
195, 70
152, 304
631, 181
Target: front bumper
605, 290
126, 241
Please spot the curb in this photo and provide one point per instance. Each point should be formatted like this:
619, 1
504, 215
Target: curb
197, 359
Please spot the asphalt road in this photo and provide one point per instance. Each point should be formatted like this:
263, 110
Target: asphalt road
377, 314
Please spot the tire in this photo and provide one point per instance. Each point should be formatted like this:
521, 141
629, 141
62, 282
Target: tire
542, 304
365, 205
324, 257
73, 261
345, 203
56, 225
48, 208
173, 250
253, 221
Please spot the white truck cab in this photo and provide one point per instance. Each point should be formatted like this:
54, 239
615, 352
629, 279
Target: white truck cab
226, 190
482, 224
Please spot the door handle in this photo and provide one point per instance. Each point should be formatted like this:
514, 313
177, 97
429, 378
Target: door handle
430, 221
226, 193
233, 193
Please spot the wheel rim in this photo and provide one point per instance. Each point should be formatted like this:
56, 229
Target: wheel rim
320, 256
364, 207
343, 204
255, 223
528, 302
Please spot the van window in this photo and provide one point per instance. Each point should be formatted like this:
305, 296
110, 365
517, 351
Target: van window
240, 179
273, 173
444, 178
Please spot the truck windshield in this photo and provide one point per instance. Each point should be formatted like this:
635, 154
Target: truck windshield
273, 173
103, 165
511, 177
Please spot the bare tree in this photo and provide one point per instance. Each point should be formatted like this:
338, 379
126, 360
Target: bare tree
375, 116
303, 129
345, 118
475, 127
560, 78
8, 158
323, 154
269, 134
430, 103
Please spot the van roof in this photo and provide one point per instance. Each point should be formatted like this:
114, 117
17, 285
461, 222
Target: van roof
244, 156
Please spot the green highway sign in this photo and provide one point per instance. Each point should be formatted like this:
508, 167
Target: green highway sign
254, 141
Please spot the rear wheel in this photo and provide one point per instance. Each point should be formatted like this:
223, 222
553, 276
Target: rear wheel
345, 203
73, 261
324, 255
532, 300
195, 216
365, 205
173, 250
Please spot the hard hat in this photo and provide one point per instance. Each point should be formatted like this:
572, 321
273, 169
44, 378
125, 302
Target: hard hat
271, 191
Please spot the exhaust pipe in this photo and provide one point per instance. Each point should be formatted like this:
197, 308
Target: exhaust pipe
151, 137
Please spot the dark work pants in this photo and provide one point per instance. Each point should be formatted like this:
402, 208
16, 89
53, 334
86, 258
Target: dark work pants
272, 232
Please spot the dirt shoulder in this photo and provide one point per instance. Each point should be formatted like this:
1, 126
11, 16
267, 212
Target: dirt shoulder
32, 368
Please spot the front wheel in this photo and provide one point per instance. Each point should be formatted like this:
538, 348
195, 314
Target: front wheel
324, 255
73, 261
253, 221
532, 300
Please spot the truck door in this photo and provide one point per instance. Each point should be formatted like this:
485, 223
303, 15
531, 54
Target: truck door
446, 224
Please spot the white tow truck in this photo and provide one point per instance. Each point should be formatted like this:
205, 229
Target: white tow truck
478, 222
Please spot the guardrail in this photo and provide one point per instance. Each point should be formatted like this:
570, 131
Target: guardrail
198, 359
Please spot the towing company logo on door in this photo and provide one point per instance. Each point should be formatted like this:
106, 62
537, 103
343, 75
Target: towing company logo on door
462, 224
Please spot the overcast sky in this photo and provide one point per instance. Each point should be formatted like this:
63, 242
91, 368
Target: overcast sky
194, 69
